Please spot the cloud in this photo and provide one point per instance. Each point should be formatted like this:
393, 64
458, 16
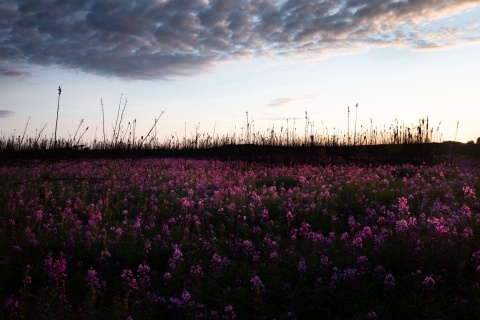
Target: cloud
314, 96
279, 102
159, 39
10, 72
282, 101
6, 113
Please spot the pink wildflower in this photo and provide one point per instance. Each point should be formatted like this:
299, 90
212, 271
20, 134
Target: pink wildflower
469, 193
429, 282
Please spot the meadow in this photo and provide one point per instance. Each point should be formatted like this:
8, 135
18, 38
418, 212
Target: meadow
367, 224
204, 239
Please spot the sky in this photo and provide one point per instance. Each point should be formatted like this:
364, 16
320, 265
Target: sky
207, 63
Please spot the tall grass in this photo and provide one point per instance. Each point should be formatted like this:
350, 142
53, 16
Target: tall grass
403, 143
125, 139
397, 140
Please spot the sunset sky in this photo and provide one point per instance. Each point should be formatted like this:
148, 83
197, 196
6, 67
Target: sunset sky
207, 63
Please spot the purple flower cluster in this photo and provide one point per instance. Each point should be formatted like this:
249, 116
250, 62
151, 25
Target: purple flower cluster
193, 241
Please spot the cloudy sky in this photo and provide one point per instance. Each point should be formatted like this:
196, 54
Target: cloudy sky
208, 62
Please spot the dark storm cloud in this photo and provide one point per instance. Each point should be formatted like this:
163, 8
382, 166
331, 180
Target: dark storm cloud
6, 113
154, 39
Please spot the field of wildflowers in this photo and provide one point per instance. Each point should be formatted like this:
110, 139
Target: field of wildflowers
113, 239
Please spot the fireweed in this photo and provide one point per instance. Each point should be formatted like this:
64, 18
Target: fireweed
232, 240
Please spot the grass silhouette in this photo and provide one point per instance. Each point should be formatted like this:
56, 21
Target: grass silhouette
397, 144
